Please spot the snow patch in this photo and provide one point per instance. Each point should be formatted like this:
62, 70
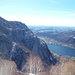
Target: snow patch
73, 37
31, 74
13, 46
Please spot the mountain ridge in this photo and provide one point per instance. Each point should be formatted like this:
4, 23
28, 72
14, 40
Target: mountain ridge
25, 41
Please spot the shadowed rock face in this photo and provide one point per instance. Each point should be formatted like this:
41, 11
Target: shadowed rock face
5, 46
17, 42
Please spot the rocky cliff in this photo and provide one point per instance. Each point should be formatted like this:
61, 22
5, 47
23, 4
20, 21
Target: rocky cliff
18, 43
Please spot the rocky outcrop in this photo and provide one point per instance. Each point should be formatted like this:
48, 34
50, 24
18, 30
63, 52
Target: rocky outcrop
17, 43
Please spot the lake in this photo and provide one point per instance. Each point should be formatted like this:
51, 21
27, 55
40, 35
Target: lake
62, 50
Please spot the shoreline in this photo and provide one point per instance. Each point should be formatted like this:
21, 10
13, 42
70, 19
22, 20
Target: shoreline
52, 41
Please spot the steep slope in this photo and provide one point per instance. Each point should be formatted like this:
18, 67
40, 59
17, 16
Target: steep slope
17, 42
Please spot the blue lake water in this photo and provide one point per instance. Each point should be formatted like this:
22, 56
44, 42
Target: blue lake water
62, 50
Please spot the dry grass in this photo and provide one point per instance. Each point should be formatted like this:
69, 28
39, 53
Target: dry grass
63, 67
7, 67
68, 68
34, 64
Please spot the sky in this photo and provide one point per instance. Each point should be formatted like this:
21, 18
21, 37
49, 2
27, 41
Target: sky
39, 12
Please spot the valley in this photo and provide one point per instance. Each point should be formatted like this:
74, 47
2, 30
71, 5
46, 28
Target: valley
56, 35
60, 39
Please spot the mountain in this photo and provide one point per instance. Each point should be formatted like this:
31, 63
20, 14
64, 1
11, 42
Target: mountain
58, 35
23, 53
18, 44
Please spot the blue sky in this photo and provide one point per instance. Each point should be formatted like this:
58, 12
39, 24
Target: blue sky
39, 12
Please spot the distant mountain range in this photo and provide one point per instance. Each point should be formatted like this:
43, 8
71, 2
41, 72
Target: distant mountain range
63, 35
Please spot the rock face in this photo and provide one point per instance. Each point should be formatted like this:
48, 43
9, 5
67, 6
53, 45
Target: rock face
17, 43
